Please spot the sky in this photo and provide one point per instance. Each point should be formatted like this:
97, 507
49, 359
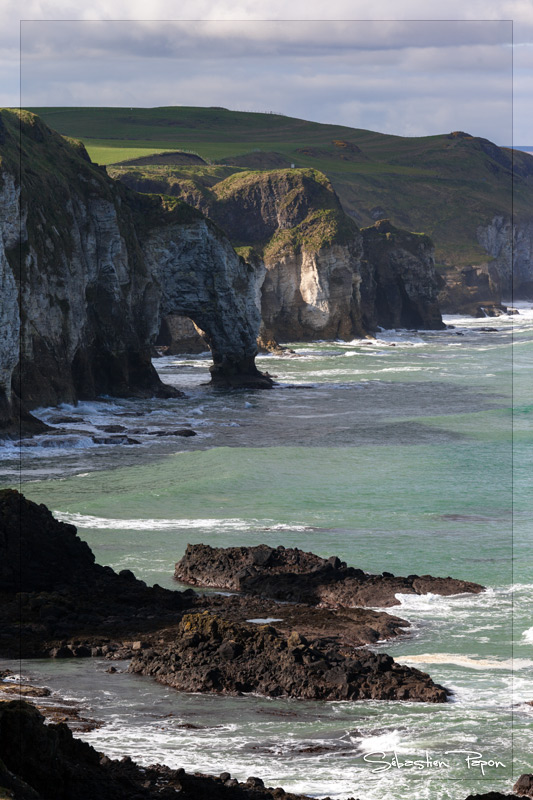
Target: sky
407, 67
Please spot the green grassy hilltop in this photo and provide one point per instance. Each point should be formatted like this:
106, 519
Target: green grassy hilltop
445, 185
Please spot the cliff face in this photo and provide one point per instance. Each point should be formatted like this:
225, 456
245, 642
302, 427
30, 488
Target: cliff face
506, 273
9, 313
312, 294
316, 276
85, 267
401, 286
292, 224
511, 248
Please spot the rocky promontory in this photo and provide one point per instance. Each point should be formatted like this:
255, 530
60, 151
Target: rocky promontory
46, 762
290, 574
56, 600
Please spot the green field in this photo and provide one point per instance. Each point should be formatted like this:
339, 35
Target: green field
445, 185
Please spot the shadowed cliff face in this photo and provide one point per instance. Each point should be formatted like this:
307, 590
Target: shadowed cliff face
511, 248
85, 266
400, 290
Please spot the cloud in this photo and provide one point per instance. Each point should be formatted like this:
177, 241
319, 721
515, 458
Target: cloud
391, 74
254, 39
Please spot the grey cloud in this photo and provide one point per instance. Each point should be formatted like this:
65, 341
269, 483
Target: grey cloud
250, 39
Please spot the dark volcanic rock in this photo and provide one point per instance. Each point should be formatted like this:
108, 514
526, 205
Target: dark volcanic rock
39, 552
70, 606
51, 589
55, 600
214, 655
345, 626
492, 796
45, 762
294, 575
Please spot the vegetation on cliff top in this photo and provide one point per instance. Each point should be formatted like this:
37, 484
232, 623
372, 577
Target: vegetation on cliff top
47, 166
447, 184
50, 169
308, 213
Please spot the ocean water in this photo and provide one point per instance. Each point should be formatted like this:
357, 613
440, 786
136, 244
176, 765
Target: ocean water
411, 453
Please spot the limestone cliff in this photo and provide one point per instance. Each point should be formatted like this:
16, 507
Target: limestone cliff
318, 281
86, 267
511, 248
506, 273
201, 277
291, 223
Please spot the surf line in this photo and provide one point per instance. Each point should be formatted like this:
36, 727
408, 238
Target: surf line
471, 758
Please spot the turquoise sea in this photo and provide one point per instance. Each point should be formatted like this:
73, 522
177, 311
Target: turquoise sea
411, 453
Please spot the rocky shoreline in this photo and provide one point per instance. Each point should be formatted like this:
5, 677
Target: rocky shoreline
93, 611
52, 764
193, 642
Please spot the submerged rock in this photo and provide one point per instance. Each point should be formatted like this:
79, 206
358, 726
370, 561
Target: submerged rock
211, 654
297, 576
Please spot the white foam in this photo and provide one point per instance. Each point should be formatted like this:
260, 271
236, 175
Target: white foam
409, 369
105, 523
436, 602
467, 661
265, 620
528, 635
384, 742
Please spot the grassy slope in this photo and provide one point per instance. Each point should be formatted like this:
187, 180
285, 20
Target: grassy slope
445, 186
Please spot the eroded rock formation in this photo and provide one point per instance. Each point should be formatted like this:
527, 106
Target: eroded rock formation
201, 277
316, 275
86, 267
401, 286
